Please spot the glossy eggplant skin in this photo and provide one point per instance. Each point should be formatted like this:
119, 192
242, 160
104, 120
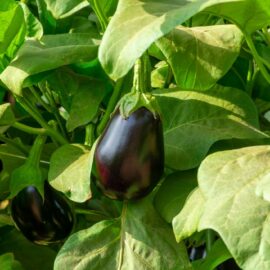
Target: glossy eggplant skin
129, 157
42, 222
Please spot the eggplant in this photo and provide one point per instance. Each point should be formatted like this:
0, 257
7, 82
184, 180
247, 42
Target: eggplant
42, 221
129, 157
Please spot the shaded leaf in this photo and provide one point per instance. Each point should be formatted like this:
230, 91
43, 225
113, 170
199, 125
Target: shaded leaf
194, 120
85, 102
31, 256
137, 24
200, 56
8, 262
33, 26
139, 239
68, 48
173, 192
248, 15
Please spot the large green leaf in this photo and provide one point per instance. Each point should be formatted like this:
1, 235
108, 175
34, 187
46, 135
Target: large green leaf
64, 49
139, 239
248, 15
70, 169
137, 24
228, 182
194, 120
200, 56
63, 8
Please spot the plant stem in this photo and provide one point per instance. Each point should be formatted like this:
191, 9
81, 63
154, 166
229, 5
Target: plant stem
96, 215
257, 57
111, 106
36, 115
40, 100
28, 129
89, 135
15, 144
142, 74
252, 72
210, 239
55, 111
36, 150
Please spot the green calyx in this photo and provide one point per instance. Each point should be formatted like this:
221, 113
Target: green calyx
139, 96
29, 174
135, 100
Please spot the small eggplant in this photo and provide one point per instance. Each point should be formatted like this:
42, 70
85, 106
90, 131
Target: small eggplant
42, 221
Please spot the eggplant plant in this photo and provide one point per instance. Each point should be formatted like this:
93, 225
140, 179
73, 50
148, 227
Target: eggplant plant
134, 134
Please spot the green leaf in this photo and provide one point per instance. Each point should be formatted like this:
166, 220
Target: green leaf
33, 25
186, 222
7, 117
69, 48
11, 157
82, 111
200, 56
11, 21
173, 192
137, 24
46, 18
139, 239
237, 76
70, 169
12, 30
8, 262
228, 181
61, 9
193, 121
248, 15
31, 256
